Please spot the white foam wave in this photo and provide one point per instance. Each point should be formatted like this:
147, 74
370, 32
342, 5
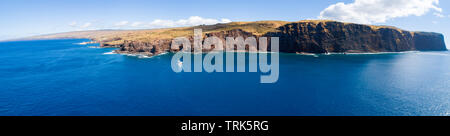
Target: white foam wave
108, 53
434, 53
163, 53
86, 43
143, 56
369, 53
95, 47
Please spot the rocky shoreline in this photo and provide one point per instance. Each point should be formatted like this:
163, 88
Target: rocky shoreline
308, 37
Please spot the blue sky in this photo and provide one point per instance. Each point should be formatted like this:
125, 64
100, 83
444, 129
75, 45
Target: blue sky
20, 18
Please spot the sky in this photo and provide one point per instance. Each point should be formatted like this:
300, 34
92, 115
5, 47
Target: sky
22, 18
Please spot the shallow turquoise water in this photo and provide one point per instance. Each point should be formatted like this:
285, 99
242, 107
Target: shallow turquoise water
58, 77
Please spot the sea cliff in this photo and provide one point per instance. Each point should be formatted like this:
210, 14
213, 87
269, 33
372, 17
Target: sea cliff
307, 37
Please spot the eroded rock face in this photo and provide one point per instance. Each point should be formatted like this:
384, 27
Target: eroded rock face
336, 37
232, 33
323, 37
144, 48
426, 41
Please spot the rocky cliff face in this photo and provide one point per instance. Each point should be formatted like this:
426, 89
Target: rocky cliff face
142, 48
426, 41
337, 37
317, 37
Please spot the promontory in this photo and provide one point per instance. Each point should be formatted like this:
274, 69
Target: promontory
308, 36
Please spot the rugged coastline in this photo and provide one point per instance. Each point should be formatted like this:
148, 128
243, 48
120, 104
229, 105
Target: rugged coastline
302, 37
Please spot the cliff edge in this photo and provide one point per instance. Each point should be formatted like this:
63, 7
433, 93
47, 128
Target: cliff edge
308, 36
312, 36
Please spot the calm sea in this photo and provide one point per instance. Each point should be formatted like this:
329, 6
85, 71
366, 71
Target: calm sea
59, 77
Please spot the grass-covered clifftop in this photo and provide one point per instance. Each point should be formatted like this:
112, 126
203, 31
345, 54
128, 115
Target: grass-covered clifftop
309, 36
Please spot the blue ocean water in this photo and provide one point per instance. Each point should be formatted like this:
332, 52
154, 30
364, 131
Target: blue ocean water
58, 77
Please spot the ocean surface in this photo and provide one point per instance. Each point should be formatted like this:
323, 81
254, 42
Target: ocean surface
60, 77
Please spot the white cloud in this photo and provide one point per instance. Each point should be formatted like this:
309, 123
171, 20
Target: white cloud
80, 26
191, 21
378, 11
73, 24
86, 25
162, 23
224, 20
158, 23
136, 24
438, 15
122, 23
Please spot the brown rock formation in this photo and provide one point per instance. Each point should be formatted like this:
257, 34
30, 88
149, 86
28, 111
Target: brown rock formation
311, 36
320, 37
337, 37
